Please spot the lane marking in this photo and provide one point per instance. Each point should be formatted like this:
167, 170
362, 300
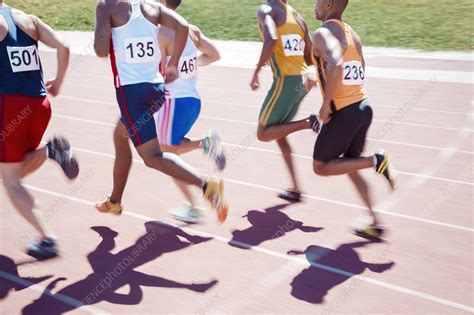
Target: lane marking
331, 201
370, 139
271, 151
28, 285
309, 97
255, 124
206, 100
299, 260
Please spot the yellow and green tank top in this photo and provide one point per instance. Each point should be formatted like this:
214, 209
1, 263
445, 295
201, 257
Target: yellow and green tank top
288, 56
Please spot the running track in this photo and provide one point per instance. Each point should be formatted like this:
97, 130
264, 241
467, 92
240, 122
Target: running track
255, 262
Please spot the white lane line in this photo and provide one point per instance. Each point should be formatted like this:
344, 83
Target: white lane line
370, 139
57, 296
421, 75
449, 149
331, 201
309, 97
236, 121
299, 260
375, 120
96, 122
271, 151
351, 205
206, 100
307, 157
255, 124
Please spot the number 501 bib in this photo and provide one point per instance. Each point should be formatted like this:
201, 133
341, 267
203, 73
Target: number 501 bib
23, 59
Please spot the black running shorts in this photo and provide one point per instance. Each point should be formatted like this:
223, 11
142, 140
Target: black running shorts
344, 135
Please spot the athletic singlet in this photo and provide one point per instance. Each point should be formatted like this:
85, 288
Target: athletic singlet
288, 56
20, 64
350, 88
134, 53
186, 84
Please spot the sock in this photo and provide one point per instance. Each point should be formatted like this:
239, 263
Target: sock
374, 160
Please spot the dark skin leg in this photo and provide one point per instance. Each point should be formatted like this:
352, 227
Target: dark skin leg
350, 167
342, 166
168, 163
279, 131
286, 150
363, 190
123, 162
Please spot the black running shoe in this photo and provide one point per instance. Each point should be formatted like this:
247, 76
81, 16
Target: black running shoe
371, 232
315, 124
290, 195
60, 151
384, 167
45, 249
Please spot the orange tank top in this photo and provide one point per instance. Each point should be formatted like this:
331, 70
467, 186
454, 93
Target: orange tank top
350, 87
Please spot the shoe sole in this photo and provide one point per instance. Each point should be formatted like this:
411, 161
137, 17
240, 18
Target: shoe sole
40, 256
285, 197
223, 208
71, 166
118, 212
71, 169
180, 218
370, 237
220, 157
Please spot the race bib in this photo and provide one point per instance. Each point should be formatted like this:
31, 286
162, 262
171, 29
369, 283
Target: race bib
188, 67
140, 50
353, 73
24, 59
293, 45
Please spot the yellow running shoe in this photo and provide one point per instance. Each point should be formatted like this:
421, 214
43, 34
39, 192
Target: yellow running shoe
214, 193
109, 206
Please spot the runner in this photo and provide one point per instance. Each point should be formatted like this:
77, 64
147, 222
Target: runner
25, 112
346, 112
135, 57
183, 106
287, 47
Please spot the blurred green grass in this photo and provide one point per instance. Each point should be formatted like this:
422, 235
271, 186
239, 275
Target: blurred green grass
422, 24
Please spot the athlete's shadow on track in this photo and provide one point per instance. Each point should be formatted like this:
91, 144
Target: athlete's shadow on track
11, 280
269, 224
330, 268
114, 271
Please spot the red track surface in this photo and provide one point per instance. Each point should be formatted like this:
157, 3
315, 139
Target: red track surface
424, 266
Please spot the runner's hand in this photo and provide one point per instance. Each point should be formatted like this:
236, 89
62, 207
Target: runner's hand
325, 114
53, 86
309, 79
255, 84
171, 73
309, 84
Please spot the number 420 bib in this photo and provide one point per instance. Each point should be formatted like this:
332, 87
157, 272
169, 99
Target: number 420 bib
293, 45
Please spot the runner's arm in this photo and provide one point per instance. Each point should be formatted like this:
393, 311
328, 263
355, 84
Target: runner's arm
103, 30
164, 42
308, 48
51, 39
209, 53
358, 44
327, 46
270, 36
176, 23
